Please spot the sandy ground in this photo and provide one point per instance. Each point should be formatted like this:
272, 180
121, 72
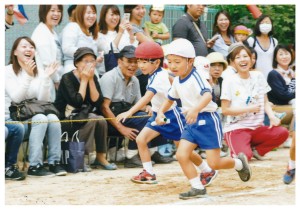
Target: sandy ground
101, 187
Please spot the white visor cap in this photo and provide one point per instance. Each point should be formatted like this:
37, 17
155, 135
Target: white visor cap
181, 47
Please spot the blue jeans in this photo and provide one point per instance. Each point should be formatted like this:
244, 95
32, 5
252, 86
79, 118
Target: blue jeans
37, 134
14, 135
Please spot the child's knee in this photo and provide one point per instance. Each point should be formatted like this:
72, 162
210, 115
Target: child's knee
181, 156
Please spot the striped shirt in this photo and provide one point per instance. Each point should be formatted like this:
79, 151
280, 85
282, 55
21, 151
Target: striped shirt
241, 93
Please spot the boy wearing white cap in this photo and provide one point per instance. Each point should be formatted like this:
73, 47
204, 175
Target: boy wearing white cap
150, 60
203, 126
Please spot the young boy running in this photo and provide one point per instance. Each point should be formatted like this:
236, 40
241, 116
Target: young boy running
203, 126
150, 60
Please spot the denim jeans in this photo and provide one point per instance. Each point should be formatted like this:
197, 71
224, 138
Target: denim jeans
38, 132
14, 135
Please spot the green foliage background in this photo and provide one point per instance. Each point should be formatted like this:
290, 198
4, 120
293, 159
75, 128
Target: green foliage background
283, 16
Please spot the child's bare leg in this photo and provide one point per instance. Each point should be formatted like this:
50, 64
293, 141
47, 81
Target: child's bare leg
216, 163
183, 155
144, 137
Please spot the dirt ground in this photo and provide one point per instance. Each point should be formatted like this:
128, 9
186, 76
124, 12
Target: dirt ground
101, 187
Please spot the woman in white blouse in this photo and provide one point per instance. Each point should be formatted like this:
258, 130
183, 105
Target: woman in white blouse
24, 81
83, 32
48, 48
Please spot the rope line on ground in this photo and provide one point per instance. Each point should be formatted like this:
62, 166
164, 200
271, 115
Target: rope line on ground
68, 121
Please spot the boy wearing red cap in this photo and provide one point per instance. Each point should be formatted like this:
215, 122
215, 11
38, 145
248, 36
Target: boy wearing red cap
150, 60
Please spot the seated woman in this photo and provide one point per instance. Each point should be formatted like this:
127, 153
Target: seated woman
244, 101
23, 82
282, 81
80, 88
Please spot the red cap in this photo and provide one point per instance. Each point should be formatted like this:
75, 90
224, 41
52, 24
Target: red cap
149, 50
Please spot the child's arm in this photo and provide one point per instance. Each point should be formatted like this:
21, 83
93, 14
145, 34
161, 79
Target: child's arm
192, 114
164, 36
138, 106
160, 114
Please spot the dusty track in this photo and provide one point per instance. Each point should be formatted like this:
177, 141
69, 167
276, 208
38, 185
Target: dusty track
101, 187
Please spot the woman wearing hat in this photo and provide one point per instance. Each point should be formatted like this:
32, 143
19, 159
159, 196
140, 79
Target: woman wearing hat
217, 66
80, 88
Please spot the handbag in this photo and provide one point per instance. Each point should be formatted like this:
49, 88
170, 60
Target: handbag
120, 107
111, 59
76, 114
26, 109
72, 153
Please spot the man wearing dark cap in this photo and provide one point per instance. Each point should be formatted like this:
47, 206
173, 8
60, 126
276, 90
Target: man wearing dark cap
121, 90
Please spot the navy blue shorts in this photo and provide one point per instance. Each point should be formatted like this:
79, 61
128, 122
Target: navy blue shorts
172, 130
206, 132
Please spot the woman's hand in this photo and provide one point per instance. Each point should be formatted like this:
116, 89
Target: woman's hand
87, 72
51, 68
100, 57
29, 67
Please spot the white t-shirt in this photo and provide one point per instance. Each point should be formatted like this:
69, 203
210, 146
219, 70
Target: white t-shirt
241, 93
228, 72
159, 84
190, 91
264, 57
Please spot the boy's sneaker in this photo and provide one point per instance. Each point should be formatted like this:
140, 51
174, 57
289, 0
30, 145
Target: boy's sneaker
144, 178
245, 172
39, 171
193, 193
12, 173
207, 178
289, 176
57, 169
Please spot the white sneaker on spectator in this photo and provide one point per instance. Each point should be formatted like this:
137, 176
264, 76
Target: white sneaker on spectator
287, 143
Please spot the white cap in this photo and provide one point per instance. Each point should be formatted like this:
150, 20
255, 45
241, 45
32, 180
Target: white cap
202, 64
181, 47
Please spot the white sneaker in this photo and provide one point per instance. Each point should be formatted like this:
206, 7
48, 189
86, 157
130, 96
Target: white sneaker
120, 154
287, 143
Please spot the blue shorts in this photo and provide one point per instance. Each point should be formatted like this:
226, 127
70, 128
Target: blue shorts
206, 132
171, 130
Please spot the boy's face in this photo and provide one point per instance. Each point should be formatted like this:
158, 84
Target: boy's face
147, 66
156, 16
180, 66
240, 37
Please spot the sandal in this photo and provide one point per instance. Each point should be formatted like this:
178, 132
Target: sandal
110, 166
